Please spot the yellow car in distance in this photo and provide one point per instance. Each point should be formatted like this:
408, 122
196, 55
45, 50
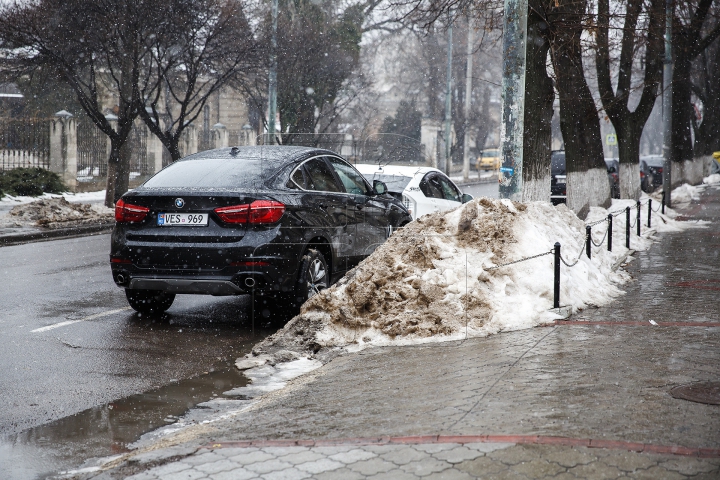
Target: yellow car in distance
489, 160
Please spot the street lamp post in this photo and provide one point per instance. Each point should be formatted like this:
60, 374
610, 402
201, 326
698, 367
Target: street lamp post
448, 98
667, 103
272, 76
513, 98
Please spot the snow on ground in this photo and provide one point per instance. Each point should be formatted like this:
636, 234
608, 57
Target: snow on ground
85, 197
713, 179
435, 280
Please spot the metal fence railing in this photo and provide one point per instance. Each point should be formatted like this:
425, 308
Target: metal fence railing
24, 143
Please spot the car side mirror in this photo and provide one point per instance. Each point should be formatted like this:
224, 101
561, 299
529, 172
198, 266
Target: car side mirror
611, 170
379, 188
466, 197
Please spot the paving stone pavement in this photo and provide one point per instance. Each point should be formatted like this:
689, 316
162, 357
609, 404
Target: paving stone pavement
577, 381
437, 461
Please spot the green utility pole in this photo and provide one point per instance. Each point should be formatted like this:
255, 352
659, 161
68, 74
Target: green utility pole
272, 87
468, 95
448, 98
513, 98
667, 103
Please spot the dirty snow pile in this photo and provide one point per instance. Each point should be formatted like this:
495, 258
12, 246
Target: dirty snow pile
58, 213
435, 280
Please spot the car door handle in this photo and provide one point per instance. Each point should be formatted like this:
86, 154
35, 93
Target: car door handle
323, 206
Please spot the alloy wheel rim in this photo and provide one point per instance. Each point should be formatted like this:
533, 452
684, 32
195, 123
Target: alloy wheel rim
318, 277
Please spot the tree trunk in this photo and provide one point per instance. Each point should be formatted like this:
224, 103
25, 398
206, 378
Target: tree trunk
707, 138
112, 173
587, 183
539, 98
628, 135
682, 108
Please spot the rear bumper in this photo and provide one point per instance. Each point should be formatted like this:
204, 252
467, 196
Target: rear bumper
176, 285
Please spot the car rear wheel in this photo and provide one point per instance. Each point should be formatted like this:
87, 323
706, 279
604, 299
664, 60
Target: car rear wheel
278, 308
149, 301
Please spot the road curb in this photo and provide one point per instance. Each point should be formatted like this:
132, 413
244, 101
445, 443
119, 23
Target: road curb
78, 231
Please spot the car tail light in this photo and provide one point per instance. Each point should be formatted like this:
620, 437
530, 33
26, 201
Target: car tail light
258, 212
126, 212
249, 264
642, 175
614, 176
234, 214
266, 211
659, 170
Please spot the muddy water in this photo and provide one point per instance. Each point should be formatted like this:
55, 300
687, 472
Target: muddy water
108, 429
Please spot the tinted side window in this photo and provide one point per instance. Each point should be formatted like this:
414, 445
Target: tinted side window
321, 178
350, 178
448, 189
299, 179
430, 186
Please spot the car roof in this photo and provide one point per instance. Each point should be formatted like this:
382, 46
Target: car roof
403, 171
274, 155
653, 160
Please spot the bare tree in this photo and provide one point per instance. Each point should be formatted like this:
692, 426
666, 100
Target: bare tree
208, 45
689, 40
642, 29
706, 87
97, 47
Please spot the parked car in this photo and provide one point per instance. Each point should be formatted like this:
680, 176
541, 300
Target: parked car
651, 172
489, 159
613, 169
280, 222
558, 182
422, 190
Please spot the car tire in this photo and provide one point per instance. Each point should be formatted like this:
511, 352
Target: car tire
149, 301
278, 308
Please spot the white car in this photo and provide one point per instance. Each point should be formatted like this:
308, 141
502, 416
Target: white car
422, 190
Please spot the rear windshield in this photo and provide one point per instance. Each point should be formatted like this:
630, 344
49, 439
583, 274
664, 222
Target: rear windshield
490, 153
395, 183
557, 163
213, 173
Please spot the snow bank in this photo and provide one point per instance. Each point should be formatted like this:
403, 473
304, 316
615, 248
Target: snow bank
713, 179
436, 280
90, 197
685, 194
57, 212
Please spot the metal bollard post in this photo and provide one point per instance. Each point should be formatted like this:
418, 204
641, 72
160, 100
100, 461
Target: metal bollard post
638, 218
649, 212
556, 299
609, 233
588, 241
627, 227
663, 204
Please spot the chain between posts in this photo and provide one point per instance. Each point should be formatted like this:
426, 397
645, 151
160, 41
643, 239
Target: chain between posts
603, 239
521, 260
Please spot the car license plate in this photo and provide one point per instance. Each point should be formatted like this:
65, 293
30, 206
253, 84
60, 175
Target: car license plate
182, 219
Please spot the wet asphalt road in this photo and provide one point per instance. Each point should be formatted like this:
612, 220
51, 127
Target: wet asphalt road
111, 353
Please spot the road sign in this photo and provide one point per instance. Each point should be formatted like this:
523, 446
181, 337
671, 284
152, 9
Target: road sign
611, 139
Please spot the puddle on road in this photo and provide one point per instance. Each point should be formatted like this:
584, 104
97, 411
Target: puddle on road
108, 429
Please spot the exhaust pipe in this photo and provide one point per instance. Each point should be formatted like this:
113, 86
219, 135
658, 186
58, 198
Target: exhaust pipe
250, 282
121, 278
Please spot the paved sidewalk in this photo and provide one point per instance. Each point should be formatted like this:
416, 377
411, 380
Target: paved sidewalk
588, 398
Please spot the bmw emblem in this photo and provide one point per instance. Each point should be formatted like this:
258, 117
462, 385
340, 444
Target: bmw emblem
179, 202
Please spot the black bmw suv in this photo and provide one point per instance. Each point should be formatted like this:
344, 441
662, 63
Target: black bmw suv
280, 222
